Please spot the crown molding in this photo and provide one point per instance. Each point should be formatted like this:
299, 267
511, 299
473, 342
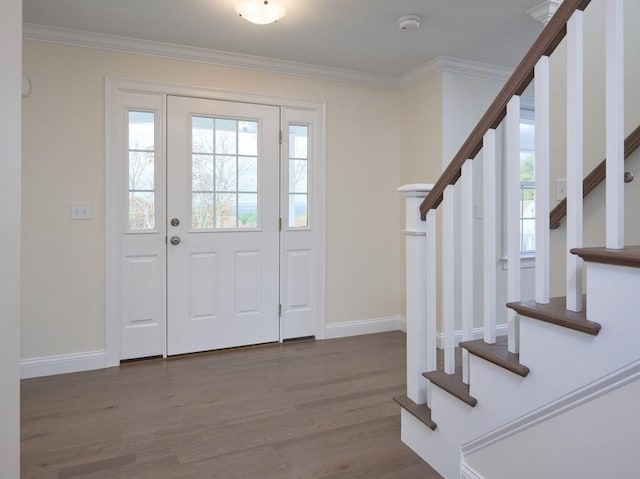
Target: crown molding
454, 65
101, 41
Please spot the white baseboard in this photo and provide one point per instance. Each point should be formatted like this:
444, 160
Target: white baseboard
62, 364
402, 324
366, 326
478, 333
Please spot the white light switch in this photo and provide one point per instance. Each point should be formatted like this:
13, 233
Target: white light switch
80, 210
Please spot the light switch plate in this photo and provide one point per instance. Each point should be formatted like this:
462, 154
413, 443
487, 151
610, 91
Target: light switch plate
80, 210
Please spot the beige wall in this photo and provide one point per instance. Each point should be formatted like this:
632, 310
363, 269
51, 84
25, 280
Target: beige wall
421, 131
63, 261
466, 99
420, 146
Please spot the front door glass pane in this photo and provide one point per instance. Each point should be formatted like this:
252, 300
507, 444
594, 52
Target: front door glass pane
224, 171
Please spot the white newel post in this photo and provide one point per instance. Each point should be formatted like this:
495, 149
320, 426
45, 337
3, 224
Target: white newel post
416, 267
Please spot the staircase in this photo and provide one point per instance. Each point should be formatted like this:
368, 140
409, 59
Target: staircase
558, 354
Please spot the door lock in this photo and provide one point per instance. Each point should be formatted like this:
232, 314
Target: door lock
175, 240
175, 221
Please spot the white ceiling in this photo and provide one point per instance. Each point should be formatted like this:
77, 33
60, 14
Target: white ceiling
356, 35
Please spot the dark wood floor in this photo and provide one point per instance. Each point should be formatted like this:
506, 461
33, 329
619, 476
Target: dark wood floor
298, 410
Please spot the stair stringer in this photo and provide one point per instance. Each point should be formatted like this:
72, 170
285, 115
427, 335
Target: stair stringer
561, 360
607, 425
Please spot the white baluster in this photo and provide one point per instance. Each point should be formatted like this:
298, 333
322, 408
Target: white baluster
490, 211
448, 278
432, 297
615, 124
542, 180
575, 126
466, 259
416, 286
512, 133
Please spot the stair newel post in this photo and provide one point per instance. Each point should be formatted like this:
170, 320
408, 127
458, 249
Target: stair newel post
416, 287
490, 256
575, 135
513, 199
614, 33
467, 262
541, 85
448, 279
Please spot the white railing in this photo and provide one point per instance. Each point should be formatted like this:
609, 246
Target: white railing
456, 286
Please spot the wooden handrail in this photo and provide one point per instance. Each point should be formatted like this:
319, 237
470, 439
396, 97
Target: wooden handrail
593, 179
544, 45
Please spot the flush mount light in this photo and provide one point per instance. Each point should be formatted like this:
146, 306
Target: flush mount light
261, 12
409, 22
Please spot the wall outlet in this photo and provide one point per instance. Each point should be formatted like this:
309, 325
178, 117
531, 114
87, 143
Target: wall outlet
80, 210
561, 189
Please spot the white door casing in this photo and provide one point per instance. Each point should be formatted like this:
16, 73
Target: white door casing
302, 250
222, 280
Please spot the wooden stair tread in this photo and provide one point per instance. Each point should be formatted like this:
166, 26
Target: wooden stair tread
497, 353
452, 383
628, 256
556, 313
420, 411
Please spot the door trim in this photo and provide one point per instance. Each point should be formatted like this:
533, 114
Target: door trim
113, 268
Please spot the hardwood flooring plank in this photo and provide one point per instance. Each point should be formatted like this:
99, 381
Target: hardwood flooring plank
313, 409
90, 467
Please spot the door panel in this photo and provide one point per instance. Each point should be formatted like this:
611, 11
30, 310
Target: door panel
223, 190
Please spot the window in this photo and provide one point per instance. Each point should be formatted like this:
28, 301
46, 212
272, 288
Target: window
224, 172
527, 185
141, 149
298, 176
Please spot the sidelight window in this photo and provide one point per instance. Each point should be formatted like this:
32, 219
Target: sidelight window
141, 151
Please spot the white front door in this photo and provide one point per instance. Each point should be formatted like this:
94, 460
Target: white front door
222, 224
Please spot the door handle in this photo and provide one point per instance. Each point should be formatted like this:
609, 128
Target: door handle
175, 240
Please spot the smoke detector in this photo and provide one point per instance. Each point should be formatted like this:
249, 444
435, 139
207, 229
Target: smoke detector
409, 22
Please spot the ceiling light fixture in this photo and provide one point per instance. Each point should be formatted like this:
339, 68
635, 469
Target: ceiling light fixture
261, 12
409, 22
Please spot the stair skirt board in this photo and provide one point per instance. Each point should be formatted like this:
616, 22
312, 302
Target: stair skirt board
591, 391
467, 472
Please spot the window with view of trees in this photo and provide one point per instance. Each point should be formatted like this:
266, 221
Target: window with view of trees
527, 186
298, 176
141, 150
224, 173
